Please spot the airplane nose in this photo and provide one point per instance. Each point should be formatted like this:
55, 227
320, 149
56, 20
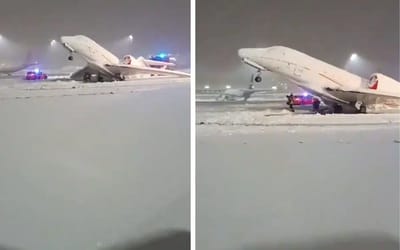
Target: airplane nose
68, 43
244, 53
65, 39
251, 52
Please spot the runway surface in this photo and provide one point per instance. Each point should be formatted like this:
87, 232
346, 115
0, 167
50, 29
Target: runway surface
268, 179
264, 112
16, 88
91, 170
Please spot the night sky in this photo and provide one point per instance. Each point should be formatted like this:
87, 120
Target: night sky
325, 29
157, 26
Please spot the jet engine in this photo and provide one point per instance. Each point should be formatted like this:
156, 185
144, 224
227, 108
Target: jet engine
128, 59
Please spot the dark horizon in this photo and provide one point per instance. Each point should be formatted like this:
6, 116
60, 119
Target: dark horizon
327, 30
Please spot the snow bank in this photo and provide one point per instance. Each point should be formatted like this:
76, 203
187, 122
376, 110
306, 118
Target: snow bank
287, 118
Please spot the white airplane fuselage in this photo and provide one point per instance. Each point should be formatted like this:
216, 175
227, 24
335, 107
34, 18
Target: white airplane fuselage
317, 77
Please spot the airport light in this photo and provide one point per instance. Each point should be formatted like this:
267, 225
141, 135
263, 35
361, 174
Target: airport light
130, 37
274, 87
353, 57
228, 86
206, 86
53, 43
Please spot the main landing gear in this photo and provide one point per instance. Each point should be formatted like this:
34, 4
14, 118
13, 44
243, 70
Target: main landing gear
120, 77
87, 77
360, 106
337, 108
363, 109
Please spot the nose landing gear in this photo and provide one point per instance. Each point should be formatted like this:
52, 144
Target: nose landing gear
256, 77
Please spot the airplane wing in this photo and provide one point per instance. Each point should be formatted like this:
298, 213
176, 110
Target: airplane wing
368, 96
78, 75
124, 69
158, 63
376, 93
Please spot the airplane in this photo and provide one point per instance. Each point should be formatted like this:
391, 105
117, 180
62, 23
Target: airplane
235, 94
107, 67
9, 69
337, 88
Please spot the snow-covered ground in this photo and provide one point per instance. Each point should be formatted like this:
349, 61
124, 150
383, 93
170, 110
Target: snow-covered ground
15, 88
256, 97
83, 169
272, 180
258, 121
255, 116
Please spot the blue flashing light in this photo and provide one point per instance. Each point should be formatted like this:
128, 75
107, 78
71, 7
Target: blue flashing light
162, 55
37, 71
305, 94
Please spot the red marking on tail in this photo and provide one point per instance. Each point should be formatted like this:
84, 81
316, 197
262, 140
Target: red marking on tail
374, 85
